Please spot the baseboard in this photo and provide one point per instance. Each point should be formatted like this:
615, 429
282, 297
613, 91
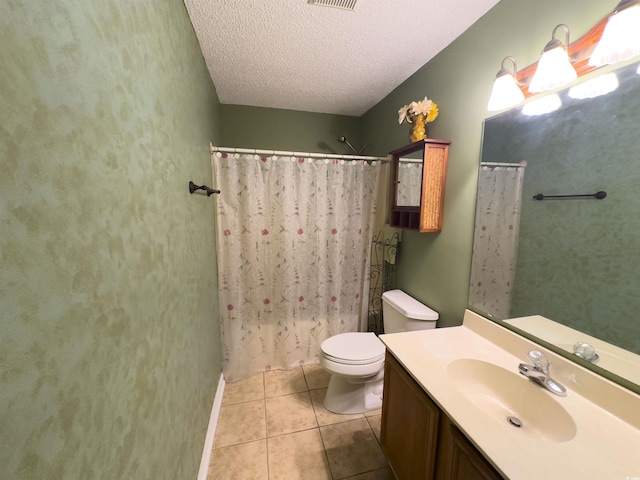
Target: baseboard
211, 430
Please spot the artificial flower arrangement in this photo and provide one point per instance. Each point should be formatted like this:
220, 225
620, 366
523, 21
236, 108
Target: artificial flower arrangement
424, 107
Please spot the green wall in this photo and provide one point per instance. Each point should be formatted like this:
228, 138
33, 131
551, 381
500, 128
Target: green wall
435, 268
109, 343
275, 129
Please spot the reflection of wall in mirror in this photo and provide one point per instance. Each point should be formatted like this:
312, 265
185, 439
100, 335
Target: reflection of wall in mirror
579, 260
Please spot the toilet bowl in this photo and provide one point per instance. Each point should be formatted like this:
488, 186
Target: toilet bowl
355, 360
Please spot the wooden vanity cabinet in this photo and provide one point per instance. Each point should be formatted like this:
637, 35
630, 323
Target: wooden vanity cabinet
458, 458
410, 421
419, 440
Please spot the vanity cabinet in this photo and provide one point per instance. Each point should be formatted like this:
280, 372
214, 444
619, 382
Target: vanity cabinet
419, 176
410, 421
419, 440
458, 458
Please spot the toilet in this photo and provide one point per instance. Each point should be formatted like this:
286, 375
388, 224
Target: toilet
355, 360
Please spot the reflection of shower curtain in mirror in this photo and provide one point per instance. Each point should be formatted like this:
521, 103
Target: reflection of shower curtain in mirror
409, 183
495, 242
293, 255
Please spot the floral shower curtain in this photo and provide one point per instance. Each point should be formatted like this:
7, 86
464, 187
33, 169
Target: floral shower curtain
293, 251
495, 242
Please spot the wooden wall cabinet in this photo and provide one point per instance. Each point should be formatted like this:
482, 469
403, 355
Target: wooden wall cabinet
419, 440
419, 177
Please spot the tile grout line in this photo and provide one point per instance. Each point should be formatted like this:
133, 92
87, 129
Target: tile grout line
316, 411
326, 455
266, 434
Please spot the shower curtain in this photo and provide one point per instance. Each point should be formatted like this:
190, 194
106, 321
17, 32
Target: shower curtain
495, 242
293, 249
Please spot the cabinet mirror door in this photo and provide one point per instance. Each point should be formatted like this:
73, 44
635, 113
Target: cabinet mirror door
409, 182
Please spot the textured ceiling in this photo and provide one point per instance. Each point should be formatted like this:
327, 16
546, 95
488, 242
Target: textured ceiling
293, 55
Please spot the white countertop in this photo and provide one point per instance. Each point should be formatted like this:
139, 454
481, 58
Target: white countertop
606, 440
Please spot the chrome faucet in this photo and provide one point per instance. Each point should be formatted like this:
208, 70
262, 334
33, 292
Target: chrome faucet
539, 372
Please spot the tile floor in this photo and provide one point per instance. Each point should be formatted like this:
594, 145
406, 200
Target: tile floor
274, 426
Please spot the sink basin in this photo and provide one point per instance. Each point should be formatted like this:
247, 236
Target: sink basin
505, 395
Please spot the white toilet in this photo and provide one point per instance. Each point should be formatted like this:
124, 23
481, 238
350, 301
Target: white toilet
355, 360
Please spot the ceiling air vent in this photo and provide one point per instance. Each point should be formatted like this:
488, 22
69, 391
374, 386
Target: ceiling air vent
344, 4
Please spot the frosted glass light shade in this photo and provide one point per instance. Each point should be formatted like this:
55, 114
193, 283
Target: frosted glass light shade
554, 70
620, 39
542, 105
505, 93
595, 87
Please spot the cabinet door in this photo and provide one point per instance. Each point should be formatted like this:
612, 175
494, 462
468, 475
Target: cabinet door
458, 458
410, 422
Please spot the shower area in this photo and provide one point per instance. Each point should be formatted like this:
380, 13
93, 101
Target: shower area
294, 235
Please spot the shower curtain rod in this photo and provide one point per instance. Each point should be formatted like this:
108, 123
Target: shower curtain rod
296, 154
498, 164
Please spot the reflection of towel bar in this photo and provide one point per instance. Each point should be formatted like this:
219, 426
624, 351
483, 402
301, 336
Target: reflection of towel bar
598, 196
193, 187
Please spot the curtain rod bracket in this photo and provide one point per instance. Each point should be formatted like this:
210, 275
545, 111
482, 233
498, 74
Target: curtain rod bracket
193, 187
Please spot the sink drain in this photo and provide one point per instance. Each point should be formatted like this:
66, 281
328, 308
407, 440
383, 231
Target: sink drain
514, 421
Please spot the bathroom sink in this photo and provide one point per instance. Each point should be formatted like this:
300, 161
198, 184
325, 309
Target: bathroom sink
512, 400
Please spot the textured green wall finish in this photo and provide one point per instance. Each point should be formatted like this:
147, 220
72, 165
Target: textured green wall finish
274, 129
435, 267
109, 339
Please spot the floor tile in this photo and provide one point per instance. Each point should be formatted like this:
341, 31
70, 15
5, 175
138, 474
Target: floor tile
283, 382
298, 456
239, 423
382, 474
244, 390
290, 413
324, 416
316, 376
373, 413
375, 423
247, 461
352, 448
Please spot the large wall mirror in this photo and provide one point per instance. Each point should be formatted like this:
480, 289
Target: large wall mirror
565, 269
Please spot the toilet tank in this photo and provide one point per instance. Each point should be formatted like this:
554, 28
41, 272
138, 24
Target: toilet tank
402, 313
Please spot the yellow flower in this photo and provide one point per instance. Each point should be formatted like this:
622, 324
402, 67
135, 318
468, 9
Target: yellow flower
433, 113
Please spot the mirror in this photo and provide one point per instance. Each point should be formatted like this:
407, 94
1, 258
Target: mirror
409, 183
574, 260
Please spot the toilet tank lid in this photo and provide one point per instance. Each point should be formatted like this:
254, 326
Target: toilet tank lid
409, 306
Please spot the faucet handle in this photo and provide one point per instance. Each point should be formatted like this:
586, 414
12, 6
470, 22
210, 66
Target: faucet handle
539, 360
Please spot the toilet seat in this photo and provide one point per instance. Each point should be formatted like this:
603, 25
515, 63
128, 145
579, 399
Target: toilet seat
355, 361
353, 348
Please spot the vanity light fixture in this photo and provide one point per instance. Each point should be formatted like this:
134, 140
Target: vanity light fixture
505, 92
621, 37
542, 105
595, 87
554, 68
